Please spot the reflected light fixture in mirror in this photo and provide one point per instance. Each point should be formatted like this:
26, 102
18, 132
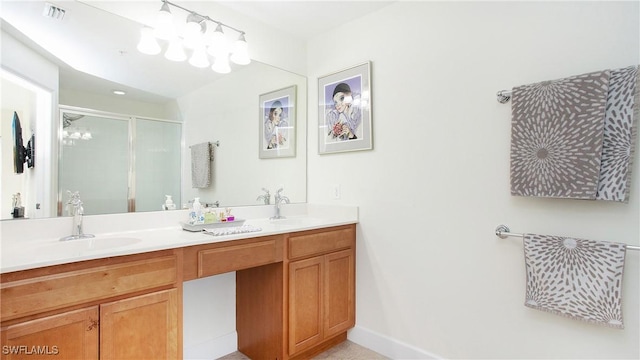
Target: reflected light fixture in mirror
196, 39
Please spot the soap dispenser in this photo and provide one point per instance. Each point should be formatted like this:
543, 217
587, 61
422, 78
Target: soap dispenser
197, 211
168, 203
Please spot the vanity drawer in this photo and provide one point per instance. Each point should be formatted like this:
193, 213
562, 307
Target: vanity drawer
321, 242
237, 257
49, 292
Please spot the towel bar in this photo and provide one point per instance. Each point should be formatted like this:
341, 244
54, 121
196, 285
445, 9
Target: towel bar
503, 96
502, 231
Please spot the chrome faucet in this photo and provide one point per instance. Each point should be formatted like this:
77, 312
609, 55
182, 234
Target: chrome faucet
266, 197
74, 206
279, 199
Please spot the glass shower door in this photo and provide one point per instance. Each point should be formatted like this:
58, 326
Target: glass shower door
157, 163
95, 162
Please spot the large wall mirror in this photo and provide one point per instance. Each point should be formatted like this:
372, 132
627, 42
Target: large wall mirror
222, 110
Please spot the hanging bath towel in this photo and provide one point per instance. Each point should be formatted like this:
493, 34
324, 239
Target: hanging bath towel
620, 126
556, 136
576, 278
201, 165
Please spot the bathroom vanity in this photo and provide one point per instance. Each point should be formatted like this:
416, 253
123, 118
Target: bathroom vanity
295, 295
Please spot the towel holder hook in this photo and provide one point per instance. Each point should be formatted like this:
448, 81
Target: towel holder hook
503, 96
501, 229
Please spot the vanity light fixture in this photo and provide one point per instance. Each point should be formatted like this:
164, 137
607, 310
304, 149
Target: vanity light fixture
148, 43
86, 135
195, 38
164, 23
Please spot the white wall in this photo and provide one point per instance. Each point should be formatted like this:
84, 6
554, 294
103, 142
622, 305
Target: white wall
431, 274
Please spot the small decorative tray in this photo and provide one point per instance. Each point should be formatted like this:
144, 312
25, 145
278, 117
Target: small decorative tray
217, 224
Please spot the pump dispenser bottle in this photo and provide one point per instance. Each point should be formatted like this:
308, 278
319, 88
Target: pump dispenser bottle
197, 211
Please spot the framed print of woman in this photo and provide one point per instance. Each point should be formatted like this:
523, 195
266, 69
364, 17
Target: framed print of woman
276, 126
278, 123
344, 117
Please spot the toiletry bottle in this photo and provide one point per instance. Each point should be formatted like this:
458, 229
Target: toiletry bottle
168, 203
192, 214
197, 209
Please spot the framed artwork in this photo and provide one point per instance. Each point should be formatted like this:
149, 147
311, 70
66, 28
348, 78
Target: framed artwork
278, 123
344, 110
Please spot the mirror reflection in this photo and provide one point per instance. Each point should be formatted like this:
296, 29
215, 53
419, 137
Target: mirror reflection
225, 110
118, 164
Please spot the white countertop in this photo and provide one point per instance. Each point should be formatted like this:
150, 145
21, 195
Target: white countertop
28, 244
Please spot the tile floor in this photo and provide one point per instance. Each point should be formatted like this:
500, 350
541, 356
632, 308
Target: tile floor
344, 351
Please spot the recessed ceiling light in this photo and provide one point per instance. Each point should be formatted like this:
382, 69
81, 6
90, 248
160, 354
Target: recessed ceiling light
119, 92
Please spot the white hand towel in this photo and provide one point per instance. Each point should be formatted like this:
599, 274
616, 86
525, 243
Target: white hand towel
201, 165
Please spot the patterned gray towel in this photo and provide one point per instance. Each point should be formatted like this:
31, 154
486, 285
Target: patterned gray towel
201, 165
576, 278
556, 136
620, 123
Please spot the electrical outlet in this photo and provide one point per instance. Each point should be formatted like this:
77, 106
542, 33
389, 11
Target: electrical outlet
335, 191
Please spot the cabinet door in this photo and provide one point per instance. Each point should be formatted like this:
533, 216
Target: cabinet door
70, 335
141, 327
339, 292
305, 303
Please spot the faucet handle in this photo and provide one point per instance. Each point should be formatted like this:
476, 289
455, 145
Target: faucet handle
74, 197
266, 197
74, 205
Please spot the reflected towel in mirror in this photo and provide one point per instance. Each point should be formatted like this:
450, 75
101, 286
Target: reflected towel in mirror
201, 165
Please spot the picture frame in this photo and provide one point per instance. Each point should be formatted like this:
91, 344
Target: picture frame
344, 110
277, 123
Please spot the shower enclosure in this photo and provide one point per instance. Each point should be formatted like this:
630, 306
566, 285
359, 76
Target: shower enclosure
118, 163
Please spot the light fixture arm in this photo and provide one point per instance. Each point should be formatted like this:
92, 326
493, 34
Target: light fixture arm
194, 37
204, 17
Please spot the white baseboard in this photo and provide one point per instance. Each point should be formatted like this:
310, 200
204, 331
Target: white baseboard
387, 346
213, 349
379, 343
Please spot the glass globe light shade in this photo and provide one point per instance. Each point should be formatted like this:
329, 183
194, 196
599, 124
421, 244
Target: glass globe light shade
175, 52
148, 43
221, 65
240, 54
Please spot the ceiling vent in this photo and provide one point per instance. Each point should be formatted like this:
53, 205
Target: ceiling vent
54, 12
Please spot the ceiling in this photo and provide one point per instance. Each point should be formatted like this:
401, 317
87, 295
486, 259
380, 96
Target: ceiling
302, 18
109, 30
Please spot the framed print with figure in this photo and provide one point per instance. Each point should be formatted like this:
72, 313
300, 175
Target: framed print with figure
278, 123
344, 110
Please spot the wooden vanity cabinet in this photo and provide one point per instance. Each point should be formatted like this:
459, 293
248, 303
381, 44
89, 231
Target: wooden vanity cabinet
321, 277
115, 308
141, 327
303, 302
68, 335
295, 297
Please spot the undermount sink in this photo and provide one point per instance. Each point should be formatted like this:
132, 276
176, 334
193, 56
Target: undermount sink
89, 244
